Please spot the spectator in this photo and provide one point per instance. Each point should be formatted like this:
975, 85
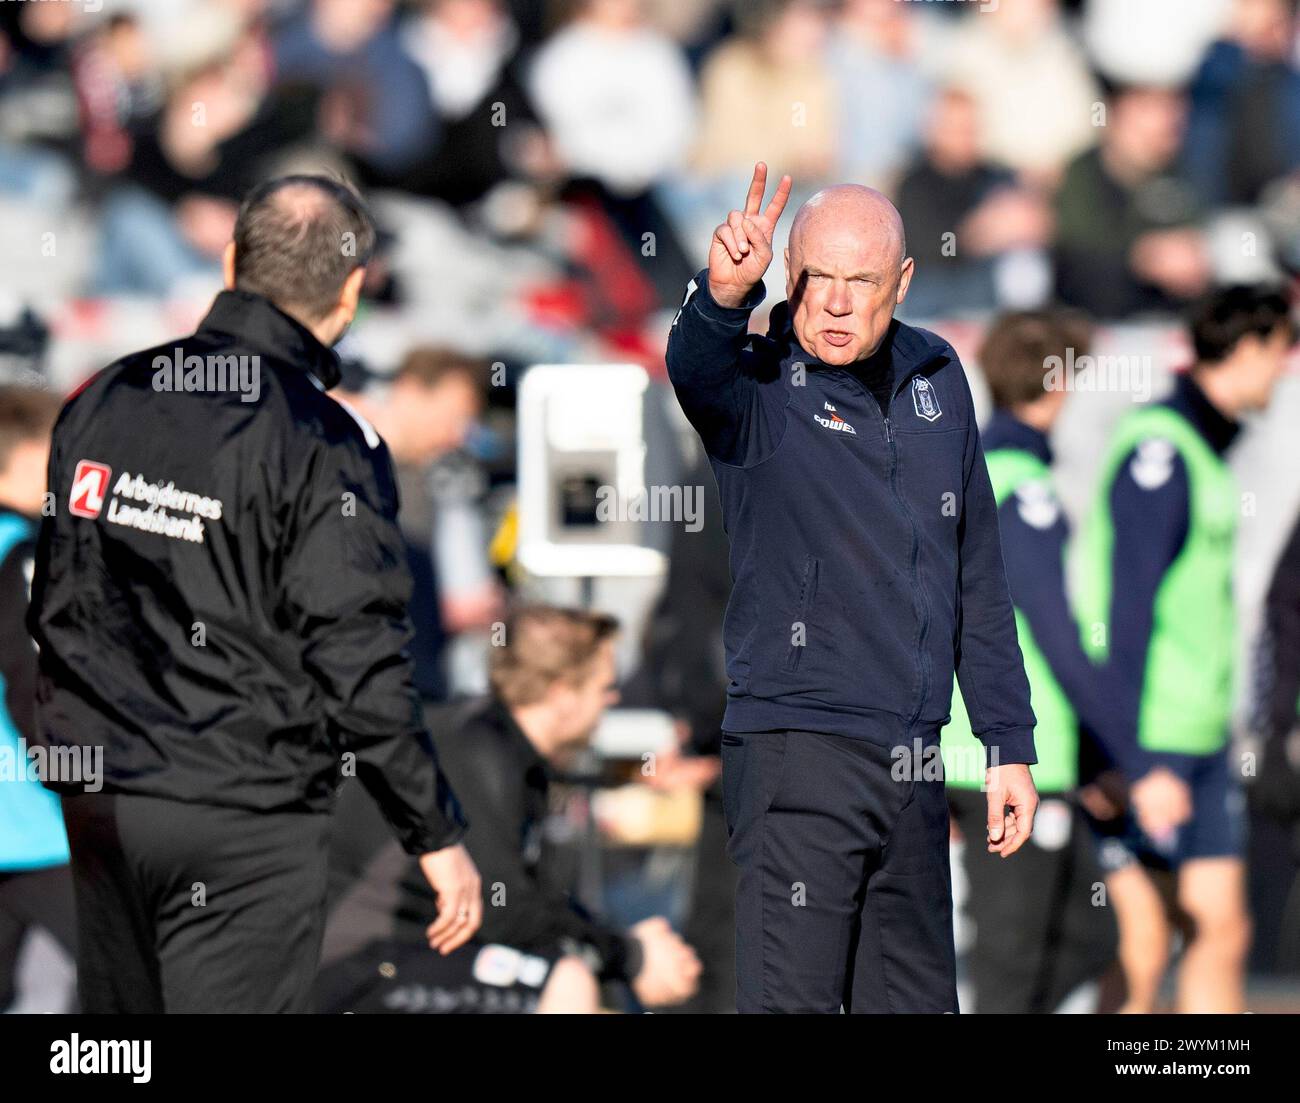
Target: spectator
1031, 83
174, 208
962, 214
615, 96
376, 103
767, 95
1127, 237
38, 108
469, 53
1244, 128
1157, 42
118, 88
875, 57
425, 413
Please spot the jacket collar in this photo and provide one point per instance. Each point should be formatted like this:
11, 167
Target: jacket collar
1190, 401
499, 715
1005, 430
256, 321
910, 350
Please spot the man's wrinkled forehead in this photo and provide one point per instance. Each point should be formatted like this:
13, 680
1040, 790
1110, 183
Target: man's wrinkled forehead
845, 249
848, 228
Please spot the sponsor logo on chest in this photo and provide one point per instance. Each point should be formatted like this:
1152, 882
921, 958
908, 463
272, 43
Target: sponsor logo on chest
833, 421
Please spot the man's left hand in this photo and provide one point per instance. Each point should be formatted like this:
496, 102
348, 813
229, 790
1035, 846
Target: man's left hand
1013, 800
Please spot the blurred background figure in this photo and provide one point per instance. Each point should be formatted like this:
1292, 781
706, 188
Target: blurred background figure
425, 413
1244, 129
1041, 934
1128, 235
967, 219
469, 52
1157, 611
35, 881
375, 99
553, 675
768, 95
877, 56
1031, 84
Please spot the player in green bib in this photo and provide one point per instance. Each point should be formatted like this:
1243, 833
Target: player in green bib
1157, 612
1038, 936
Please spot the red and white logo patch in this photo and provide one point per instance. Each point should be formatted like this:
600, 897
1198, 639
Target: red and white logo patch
89, 489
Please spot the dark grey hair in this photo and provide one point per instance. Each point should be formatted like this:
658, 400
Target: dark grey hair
298, 238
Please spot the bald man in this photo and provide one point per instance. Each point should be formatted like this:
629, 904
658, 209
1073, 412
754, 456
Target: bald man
866, 571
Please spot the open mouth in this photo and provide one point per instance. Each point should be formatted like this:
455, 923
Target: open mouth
836, 337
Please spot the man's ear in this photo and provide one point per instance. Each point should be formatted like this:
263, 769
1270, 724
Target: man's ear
350, 296
905, 280
228, 266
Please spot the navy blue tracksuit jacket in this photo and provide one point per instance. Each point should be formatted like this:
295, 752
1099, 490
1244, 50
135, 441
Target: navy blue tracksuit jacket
865, 555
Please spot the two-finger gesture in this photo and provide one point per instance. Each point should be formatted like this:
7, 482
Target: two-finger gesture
741, 248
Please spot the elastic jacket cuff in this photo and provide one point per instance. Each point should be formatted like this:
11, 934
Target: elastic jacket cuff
726, 315
1013, 746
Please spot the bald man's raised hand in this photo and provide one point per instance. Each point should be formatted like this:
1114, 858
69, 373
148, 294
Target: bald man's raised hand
741, 248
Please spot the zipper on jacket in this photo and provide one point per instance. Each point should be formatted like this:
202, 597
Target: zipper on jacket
920, 604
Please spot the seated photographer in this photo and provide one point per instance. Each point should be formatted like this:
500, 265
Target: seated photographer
552, 676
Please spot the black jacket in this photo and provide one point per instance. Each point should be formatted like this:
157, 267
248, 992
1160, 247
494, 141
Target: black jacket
864, 535
504, 784
220, 595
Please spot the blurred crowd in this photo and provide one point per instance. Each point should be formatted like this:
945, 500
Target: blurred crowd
1118, 157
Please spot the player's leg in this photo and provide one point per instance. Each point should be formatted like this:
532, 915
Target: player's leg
1212, 893
1144, 934
1211, 977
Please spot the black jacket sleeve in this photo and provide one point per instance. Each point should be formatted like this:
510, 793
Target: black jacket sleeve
715, 383
18, 662
990, 668
1035, 557
346, 586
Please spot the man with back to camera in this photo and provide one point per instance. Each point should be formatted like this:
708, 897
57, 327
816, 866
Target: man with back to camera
220, 605
867, 568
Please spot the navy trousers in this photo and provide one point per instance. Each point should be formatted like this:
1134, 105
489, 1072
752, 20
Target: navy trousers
844, 894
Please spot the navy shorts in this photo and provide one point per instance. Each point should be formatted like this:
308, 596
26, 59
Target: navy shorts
1216, 830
